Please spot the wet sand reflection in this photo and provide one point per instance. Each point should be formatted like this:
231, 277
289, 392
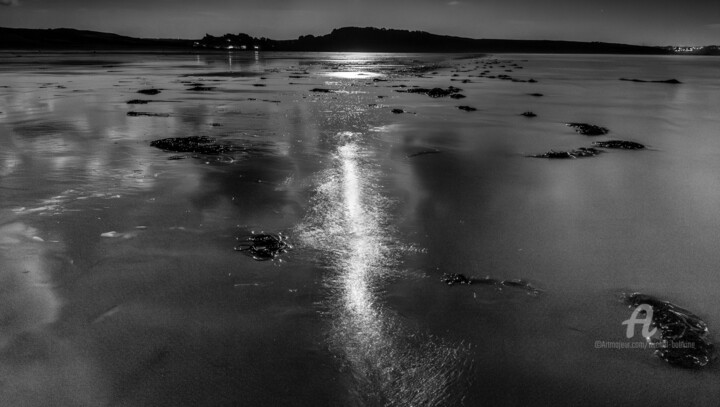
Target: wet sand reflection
37, 368
391, 363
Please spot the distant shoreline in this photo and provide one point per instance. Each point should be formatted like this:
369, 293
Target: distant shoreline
348, 39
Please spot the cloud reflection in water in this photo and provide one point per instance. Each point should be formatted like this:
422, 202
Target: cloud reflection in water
38, 367
392, 364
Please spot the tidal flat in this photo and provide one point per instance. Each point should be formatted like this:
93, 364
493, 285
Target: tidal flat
325, 229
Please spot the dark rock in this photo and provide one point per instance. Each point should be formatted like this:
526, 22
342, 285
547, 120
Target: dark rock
532, 80
457, 96
200, 88
521, 284
668, 81
581, 152
467, 108
536, 94
321, 90
177, 157
529, 114
264, 247
398, 111
137, 102
453, 278
135, 114
514, 283
434, 92
683, 336
259, 84
149, 91
622, 144
439, 92
456, 278
194, 144
588, 129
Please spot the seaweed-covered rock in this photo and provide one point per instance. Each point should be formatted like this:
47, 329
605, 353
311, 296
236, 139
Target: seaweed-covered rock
321, 90
193, 144
588, 129
457, 278
467, 108
454, 278
528, 114
683, 336
668, 81
398, 111
457, 96
148, 114
149, 91
621, 144
264, 247
201, 88
434, 92
137, 102
520, 284
581, 152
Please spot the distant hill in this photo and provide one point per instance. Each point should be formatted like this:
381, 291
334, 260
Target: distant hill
388, 40
342, 39
70, 39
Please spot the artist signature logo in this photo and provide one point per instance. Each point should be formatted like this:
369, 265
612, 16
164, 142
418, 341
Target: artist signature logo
646, 321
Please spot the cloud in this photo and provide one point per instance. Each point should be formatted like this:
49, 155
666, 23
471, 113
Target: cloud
9, 2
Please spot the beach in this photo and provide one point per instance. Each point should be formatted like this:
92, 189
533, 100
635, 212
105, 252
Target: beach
129, 276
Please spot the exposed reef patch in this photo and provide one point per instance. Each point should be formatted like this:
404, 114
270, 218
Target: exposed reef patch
434, 92
136, 114
461, 279
149, 91
263, 247
588, 129
582, 152
619, 144
682, 336
668, 81
193, 144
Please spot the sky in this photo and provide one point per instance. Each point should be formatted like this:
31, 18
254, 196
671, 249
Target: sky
644, 22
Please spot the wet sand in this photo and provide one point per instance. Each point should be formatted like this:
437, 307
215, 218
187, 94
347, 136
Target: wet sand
121, 285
